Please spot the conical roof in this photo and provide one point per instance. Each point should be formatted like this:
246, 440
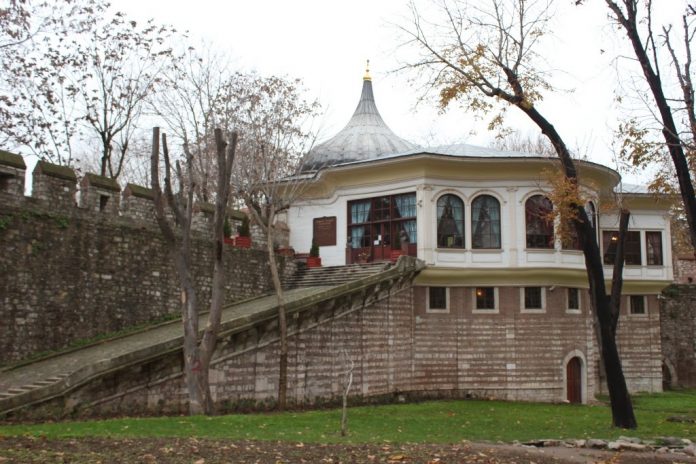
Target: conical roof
366, 136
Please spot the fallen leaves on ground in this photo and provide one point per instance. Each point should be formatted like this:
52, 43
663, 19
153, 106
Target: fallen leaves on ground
199, 451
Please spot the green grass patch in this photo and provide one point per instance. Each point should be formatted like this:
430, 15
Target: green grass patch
428, 422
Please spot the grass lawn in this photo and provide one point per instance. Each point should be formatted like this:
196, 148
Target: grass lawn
428, 422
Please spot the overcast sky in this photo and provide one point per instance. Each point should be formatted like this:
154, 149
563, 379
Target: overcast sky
326, 43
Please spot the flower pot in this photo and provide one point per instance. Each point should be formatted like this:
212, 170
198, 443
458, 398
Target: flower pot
313, 261
394, 255
242, 242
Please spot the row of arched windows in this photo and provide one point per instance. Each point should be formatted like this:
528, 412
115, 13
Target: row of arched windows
485, 222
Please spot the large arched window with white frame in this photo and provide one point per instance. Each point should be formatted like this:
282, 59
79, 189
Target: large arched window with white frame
450, 221
485, 222
539, 222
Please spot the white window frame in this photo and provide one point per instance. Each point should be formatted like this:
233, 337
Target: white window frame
428, 309
496, 299
533, 310
570, 310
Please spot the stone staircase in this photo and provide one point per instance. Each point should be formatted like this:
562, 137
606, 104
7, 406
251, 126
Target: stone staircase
333, 275
57, 376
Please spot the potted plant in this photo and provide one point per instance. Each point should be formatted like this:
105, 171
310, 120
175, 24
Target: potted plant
227, 232
314, 260
243, 240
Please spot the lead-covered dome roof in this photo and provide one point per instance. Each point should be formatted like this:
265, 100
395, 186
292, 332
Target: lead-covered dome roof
366, 136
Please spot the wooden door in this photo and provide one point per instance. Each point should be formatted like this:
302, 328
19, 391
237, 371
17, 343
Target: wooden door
574, 380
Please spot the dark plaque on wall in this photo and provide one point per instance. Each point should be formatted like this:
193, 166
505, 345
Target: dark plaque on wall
325, 230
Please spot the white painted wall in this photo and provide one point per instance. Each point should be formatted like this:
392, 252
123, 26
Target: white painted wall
512, 200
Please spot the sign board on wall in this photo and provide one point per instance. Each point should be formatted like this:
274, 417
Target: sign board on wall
325, 231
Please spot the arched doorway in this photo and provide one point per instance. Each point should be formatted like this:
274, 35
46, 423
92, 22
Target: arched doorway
574, 380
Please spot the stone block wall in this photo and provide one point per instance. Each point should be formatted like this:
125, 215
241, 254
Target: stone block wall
72, 273
400, 351
678, 321
685, 269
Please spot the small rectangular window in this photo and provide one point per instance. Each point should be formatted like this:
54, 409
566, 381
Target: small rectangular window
653, 245
637, 304
437, 299
485, 298
573, 299
533, 298
103, 201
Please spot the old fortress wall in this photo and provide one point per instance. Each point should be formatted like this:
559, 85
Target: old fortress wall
76, 270
72, 271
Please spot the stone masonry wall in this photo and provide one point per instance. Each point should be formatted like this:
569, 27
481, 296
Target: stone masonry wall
399, 350
678, 318
71, 273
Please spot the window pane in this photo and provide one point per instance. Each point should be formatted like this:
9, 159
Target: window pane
359, 211
637, 303
539, 224
485, 298
610, 240
405, 205
573, 298
532, 298
632, 247
450, 222
437, 297
485, 222
653, 245
381, 208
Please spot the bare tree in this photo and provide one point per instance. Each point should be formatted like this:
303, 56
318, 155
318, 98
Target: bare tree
675, 117
178, 237
37, 40
481, 56
273, 118
87, 79
347, 383
199, 91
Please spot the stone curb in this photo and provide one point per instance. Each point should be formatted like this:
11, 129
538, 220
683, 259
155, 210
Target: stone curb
658, 445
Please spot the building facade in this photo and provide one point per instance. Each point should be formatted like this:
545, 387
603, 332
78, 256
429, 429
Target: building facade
500, 283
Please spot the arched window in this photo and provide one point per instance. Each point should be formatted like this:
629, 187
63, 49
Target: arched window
485, 222
450, 222
537, 212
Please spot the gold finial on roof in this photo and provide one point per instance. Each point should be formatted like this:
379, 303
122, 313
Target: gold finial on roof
367, 77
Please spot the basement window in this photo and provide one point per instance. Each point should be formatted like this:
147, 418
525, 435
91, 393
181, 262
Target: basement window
573, 300
485, 298
533, 299
438, 299
637, 305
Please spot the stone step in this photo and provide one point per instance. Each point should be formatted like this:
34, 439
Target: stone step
333, 275
18, 390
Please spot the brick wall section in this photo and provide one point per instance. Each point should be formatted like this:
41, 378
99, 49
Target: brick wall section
399, 349
638, 338
71, 273
678, 321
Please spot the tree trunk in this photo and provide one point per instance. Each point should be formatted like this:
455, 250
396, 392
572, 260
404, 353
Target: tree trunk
621, 406
193, 368
282, 320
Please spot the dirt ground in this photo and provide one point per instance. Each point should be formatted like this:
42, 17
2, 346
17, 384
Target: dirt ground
192, 451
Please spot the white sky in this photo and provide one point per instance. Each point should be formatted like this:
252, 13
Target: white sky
326, 43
